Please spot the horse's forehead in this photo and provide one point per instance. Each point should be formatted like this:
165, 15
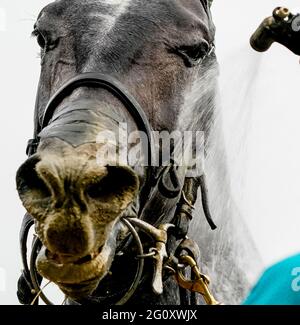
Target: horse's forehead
83, 10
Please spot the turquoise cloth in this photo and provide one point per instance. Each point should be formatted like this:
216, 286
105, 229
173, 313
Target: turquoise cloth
279, 285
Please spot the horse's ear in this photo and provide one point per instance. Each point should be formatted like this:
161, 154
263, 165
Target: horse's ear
207, 3
207, 6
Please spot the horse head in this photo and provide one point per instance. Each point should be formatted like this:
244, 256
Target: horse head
106, 63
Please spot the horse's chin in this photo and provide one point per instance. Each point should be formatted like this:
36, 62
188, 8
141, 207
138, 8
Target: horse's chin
79, 291
77, 278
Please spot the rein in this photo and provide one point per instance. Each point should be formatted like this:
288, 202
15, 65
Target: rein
167, 185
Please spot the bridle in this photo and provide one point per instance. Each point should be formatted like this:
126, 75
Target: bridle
166, 182
95, 80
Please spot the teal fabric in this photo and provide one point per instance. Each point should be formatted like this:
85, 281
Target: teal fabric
279, 285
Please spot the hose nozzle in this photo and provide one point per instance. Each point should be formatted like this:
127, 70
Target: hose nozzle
282, 27
281, 13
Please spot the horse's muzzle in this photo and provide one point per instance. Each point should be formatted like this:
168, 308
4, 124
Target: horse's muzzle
79, 278
77, 205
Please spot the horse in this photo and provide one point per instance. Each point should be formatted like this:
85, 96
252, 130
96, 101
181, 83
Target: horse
125, 231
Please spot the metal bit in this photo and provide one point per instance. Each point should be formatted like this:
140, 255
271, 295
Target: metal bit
160, 235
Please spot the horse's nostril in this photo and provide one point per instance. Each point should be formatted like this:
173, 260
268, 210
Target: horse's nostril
96, 190
29, 183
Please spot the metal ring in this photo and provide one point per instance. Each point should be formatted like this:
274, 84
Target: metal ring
187, 201
151, 254
181, 266
170, 269
34, 273
140, 268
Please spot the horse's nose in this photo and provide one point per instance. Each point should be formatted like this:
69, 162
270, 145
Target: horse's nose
52, 195
48, 182
69, 182
31, 187
74, 200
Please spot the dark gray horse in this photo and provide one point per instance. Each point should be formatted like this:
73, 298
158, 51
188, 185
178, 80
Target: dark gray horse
161, 52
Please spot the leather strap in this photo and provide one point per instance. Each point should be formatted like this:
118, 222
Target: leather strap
205, 202
102, 81
25, 288
26, 225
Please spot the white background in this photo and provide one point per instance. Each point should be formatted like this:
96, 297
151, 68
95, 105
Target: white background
261, 115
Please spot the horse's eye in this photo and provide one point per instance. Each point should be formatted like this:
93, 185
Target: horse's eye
41, 41
195, 54
40, 38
